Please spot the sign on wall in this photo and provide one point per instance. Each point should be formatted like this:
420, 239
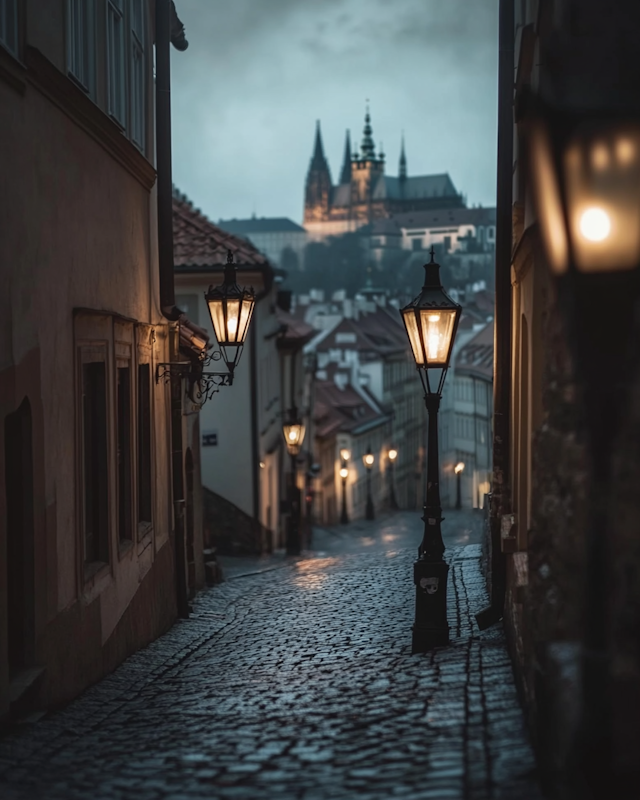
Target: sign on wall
209, 438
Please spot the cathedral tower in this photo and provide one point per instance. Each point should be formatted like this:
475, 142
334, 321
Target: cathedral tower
318, 185
366, 169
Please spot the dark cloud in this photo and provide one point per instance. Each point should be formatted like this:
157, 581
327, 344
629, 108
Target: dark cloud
258, 73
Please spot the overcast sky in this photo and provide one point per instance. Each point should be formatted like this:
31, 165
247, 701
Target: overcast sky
259, 73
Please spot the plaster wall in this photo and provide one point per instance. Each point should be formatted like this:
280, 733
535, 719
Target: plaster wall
75, 232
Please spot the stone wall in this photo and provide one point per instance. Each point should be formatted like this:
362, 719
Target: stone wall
230, 531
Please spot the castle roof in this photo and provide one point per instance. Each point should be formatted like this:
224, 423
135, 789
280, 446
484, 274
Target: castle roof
261, 225
415, 188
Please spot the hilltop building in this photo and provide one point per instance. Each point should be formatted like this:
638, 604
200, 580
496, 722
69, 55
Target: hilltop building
365, 192
280, 239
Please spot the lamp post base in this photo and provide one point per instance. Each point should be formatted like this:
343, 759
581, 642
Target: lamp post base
431, 628
369, 512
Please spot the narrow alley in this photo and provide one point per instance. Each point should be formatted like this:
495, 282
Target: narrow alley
294, 679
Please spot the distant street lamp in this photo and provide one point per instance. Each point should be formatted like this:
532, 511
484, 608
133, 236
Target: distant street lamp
293, 431
459, 469
344, 474
431, 320
368, 458
393, 454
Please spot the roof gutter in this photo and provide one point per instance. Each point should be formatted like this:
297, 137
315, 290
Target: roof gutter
169, 30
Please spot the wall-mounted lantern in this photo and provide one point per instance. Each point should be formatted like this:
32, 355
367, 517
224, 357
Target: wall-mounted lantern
231, 309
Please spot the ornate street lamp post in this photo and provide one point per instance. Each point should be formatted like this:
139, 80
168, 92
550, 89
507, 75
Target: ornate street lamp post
345, 455
393, 503
459, 469
368, 458
431, 321
293, 431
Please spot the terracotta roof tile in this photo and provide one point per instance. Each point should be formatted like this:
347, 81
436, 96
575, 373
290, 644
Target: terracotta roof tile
197, 242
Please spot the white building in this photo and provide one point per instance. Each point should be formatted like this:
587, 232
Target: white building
280, 239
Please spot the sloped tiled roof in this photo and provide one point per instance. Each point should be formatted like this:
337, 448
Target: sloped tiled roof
342, 410
297, 331
198, 243
375, 333
476, 357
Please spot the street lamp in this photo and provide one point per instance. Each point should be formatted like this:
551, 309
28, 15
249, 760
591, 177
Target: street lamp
345, 454
344, 474
393, 454
293, 431
431, 321
231, 309
459, 469
368, 458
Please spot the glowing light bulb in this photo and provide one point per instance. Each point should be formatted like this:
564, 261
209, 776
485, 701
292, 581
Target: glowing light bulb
595, 224
344, 472
292, 436
393, 454
459, 467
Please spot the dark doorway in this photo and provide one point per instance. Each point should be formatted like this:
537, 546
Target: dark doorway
18, 461
191, 555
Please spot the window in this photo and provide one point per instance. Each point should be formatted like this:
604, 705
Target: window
9, 25
138, 105
94, 455
123, 423
115, 60
144, 444
80, 42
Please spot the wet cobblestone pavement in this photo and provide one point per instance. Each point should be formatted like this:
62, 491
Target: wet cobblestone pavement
295, 682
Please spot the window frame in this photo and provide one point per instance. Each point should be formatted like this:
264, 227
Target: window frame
5, 43
117, 95
89, 352
86, 82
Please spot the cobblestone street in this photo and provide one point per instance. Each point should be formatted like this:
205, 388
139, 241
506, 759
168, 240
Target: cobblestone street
296, 680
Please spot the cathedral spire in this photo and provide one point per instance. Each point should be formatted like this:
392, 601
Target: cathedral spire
318, 161
368, 147
345, 175
403, 162
318, 186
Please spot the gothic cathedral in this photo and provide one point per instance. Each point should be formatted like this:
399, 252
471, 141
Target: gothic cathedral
365, 192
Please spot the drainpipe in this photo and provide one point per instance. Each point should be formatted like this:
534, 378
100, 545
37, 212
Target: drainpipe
166, 19
500, 490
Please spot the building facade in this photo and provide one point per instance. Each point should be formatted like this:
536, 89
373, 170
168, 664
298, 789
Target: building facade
87, 569
280, 239
245, 467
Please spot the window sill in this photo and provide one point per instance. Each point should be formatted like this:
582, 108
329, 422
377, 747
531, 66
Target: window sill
124, 546
94, 570
145, 536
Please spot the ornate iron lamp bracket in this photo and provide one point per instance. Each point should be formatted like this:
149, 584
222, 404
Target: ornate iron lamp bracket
201, 385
